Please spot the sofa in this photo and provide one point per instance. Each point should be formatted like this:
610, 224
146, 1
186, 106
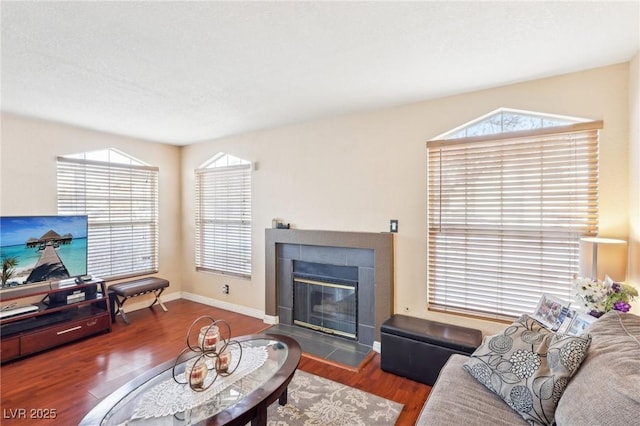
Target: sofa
604, 389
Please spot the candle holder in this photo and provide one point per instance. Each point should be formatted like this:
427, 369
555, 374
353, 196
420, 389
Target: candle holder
213, 354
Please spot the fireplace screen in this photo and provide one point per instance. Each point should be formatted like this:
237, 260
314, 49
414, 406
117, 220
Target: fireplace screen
325, 304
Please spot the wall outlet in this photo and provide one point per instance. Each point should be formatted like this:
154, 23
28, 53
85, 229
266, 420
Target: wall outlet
225, 289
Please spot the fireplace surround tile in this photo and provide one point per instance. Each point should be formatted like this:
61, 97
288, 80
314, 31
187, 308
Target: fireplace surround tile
285, 292
371, 252
330, 258
323, 254
360, 257
366, 297
366, 334
286, 315
288, 251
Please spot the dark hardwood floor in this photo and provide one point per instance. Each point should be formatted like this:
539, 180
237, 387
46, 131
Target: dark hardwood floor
70, 380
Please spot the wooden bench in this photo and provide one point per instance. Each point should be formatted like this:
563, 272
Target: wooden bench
126, 290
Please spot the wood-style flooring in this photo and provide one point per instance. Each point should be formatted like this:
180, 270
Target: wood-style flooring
70, 380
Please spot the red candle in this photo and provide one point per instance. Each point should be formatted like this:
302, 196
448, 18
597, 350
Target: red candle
224, 358
209, 337
196, 371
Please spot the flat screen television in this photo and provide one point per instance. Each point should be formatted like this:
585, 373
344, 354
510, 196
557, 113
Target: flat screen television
44, 248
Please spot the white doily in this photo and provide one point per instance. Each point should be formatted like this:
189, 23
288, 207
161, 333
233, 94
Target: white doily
168, 398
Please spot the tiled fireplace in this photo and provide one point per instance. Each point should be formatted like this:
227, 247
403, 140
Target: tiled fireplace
341, 277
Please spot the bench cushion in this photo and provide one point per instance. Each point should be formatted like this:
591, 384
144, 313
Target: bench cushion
143, 285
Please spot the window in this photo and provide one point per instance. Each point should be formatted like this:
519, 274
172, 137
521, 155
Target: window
120, 196
506, 212
223, 216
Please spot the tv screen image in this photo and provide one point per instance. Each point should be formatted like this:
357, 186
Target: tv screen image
44, 248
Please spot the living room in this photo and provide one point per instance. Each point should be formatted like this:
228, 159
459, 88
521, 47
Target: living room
351, 171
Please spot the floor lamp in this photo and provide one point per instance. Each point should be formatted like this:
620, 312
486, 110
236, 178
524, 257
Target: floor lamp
603, 256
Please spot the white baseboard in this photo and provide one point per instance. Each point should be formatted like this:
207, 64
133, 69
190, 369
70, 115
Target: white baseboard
376, 346
271, 319
171, 296
255, 313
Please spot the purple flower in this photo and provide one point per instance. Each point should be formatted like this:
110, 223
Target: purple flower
616, 287
621, 306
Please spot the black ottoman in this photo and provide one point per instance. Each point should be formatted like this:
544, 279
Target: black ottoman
417, 348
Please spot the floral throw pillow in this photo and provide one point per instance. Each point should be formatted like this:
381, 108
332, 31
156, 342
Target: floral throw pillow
528, 366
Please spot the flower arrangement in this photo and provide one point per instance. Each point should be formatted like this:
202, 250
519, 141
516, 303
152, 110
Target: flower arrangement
598, 297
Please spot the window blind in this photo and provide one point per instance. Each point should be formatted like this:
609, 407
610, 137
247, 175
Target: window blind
122, 204
223, 220
505, 215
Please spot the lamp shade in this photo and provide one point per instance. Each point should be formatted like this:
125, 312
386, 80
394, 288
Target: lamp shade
603, 256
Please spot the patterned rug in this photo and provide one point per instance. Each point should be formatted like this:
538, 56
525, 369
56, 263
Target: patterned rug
317, 401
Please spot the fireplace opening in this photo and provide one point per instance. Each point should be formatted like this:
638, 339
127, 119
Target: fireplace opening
325, 298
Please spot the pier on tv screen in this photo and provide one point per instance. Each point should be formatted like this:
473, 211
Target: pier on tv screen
43, 248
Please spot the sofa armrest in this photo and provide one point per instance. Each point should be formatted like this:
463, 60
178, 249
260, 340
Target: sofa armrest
458, 398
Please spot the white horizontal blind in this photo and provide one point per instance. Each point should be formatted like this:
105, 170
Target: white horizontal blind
505, 215
223, 220
122, 204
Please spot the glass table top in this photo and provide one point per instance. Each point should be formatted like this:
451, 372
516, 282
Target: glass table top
161, 400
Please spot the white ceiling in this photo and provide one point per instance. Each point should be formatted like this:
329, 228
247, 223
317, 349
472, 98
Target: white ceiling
182, 72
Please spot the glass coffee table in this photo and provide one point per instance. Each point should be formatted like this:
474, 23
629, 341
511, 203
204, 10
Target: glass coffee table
267, 366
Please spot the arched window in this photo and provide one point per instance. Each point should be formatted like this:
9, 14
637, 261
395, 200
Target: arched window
509, 197
120, 195
223, 216
507, 120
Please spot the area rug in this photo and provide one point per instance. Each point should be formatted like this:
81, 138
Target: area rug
314, 400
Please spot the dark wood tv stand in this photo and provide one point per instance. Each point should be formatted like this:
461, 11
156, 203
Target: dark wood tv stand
57, 321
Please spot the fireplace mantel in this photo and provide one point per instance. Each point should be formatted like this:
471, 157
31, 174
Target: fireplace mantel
380, 243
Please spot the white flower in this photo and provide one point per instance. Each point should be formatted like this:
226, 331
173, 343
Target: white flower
591, 295
603, 296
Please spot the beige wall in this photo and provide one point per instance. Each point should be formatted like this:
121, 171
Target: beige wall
355, 172
634, 175
348, 173
28, 176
